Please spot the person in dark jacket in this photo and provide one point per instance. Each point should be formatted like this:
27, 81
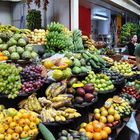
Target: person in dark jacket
132, 44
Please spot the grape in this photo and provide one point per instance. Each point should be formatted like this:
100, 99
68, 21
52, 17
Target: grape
31, 78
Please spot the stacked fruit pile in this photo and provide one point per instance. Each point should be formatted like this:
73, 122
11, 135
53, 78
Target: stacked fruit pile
72, 134
15, 47
77, 41
10, 81
115, 77
58, 38
83, 94
31, 78
89, 44
131, 91
123, 68
129, 98
18, 124
95, 130
120, 105
37, 37
108, 59
107, 115
61, 115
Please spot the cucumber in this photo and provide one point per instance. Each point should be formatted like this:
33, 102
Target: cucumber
95, 58
47, 135
86, 57
101, 60
93, 64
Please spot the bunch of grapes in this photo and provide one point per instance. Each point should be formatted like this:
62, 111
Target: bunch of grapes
31, 78
10, 81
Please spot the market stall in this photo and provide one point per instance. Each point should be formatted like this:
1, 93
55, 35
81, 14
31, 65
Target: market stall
54, 84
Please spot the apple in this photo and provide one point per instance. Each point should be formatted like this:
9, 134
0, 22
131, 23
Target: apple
89, 97
11, 112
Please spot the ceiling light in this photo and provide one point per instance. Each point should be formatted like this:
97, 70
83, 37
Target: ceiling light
100, 17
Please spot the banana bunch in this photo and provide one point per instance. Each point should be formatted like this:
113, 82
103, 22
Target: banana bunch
89, 43
55, 89
124, 109
77, 40
31, 103
52, 115
44, 102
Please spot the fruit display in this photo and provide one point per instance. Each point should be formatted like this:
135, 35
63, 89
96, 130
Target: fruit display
61, 115
108, 59
77, 41
56, 63
82, 95
85, 61
93, 60
107, 115
16, 47
89, 44
115, 77
31, 103
18, 124
55, 89
101, 82
10, 80
58, 38
72, 134
135, 84
123, 68
129, 98
95, 130
129, 61
32, 78
37, 37
120, 105
131, 91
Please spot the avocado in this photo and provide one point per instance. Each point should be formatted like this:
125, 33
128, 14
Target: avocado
77, 62
84, 69
76, 70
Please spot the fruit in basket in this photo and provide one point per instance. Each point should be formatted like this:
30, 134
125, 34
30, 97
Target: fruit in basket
73, 134
132, 91
95, 130
19, 129
115, 77
52, 115
107, 116
10, 74
121, 106
102, 83
123, 68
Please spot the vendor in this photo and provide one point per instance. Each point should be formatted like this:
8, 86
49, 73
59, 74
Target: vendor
132, 44
137, 54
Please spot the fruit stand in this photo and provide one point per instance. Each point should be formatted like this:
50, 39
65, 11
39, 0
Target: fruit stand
54, 84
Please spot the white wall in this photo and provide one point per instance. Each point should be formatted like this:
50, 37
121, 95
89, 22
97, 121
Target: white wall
57, 10
61, 12
5, 13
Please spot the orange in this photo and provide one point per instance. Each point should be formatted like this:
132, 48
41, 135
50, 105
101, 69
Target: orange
97, 127
22, 122
102, 124
15, 136
97, 136
13, 125
32, 118
25, 115
27, 121
16, 118
104, 134
82, 130
89, 128
89, 135
107, 129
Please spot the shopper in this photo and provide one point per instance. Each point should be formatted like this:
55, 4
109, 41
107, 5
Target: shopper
137, 54
132, 44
